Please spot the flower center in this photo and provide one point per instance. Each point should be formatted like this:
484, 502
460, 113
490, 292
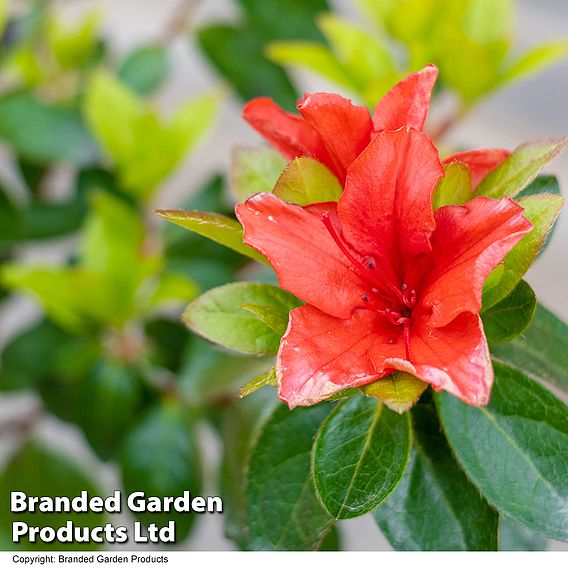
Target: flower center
402, 300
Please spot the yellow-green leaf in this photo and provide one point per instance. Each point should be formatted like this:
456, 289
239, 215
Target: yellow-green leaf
219, 228
454, 188
399, 391
306, 181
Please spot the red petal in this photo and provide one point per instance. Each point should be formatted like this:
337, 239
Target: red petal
479, 162
320, 355
344, 128
454, 358
386, 208
406, 104
306, 259
288, 133
468, 243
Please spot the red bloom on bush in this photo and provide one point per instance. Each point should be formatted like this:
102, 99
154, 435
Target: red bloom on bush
389, 284
334, 131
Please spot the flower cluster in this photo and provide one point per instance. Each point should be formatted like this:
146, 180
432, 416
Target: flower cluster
388, 282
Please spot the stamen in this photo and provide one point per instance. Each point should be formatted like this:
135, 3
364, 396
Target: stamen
364, 297
406, 332
338, 241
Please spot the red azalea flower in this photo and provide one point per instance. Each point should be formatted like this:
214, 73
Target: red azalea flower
334, 131
389, 284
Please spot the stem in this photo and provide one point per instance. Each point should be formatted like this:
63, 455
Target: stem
22, 425
179, 22
441, 131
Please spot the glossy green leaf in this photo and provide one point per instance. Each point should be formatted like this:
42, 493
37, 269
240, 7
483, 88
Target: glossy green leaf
515, 450
520, 168
313, 57
399, 391
45, 133
513, 536
218, 316
454, 188
264, 379
508, 318
160, 456
255, 169
215, 226
145, 69
541, 211
275, 317
41, 471
542, 350
306, 181
360, 454
239, 427
435, 507
536, 59
283, 510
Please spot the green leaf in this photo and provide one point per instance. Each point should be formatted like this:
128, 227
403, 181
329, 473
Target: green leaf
515, 450
454, 188
399, 391
306, 181
41, 471
254, 170
145, 69
360, 454
145, 147
313, 57
275, 317
109, 398
215, 226
10, 220
541, 185
535, 59
365, 59
209, 375
513, 536
45, 133
239, 426
218, 316
255, 75
172, 288
508, 318
488, 20
54, 288
266, 16
266, 378
435, 507
44, 220
283, 510
30, 355
520, 168
542, 350
541, 211
160, 456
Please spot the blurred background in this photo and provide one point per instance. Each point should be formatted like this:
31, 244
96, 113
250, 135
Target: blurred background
111, 108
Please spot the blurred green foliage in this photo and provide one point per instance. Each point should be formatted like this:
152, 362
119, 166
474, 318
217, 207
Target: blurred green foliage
109, 353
